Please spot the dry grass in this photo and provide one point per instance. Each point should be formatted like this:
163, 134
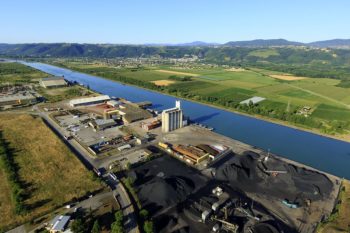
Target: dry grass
5, 199
51, 172
286, 77
233, 69
342, 222
163, 82
177, 72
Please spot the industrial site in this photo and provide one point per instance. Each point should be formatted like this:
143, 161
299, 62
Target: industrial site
189, 178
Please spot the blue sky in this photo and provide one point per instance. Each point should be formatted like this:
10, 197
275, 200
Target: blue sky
176, 21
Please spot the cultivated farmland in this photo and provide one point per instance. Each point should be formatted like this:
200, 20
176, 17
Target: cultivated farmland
285, 94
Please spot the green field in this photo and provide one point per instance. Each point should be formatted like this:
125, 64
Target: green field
227, 87
329, 112
264, 53
11, 72
64, 93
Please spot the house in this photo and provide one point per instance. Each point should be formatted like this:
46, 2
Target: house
53, 82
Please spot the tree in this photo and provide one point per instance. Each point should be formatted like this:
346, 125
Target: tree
148, 227
119, 216
143, 214
116, 228
96, 228
78, 226
128, 165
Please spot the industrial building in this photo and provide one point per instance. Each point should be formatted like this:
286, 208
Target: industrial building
113, 103
89, 101
58, 224
53, 82
101, 124
17, 99
151, 125
143, 104
131, 113
17, 95
191, 154
172, 119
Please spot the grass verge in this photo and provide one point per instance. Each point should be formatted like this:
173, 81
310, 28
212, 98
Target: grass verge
50, 173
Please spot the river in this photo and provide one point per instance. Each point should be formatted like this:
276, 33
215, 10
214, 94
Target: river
326, 154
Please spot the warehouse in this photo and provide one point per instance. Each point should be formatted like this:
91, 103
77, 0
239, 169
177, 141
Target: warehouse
151, 125
131, 114
191, 153
53, 82
89, 101
17, 99
59, 223
101, 124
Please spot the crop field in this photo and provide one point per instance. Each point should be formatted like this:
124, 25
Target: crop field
17, 73
329, 112
50, 173
287, 77
163, 82
225, 87
146, 75
177, 72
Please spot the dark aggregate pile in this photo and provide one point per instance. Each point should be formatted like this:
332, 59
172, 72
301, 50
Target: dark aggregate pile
167, 191
242, 170
246, 172
164, 182
264, 228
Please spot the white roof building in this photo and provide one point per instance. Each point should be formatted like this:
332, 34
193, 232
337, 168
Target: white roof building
53, 82
89, 100
59, 223
254, 100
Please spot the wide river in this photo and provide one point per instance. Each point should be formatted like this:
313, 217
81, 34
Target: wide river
326, 154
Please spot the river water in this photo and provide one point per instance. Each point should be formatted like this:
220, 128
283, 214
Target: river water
326, 154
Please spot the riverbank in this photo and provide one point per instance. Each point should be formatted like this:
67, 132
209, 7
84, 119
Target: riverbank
341, 137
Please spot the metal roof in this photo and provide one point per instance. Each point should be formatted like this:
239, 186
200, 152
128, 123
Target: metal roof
54, 78
90, 99
18, 96
103, 121
59, 222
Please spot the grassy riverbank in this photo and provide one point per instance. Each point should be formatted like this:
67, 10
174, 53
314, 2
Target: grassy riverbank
15, 73
225, 88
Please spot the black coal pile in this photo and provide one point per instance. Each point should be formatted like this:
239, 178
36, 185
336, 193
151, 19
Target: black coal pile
251, 173
314, 185
166, 191
264, 228
242, 170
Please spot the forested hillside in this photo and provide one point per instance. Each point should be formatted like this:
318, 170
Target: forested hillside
298, 60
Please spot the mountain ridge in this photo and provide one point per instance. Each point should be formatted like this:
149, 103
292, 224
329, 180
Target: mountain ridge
333, 43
